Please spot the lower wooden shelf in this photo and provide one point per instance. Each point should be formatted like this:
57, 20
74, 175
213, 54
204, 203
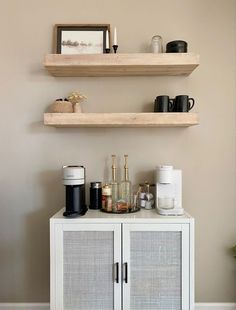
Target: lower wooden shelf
120, 119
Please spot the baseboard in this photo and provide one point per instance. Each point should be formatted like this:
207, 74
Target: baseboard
24, 306
45, 306
215, 306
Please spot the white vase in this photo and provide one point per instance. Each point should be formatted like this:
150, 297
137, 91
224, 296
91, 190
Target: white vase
77, 108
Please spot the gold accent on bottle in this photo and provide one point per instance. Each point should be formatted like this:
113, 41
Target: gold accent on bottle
126, 161
113, 168
114, 184
125, 185
126, 169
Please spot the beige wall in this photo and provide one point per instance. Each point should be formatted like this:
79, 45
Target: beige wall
31, 155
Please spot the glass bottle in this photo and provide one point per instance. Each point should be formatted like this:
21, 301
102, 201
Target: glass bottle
125, 185
156, 44
114, 184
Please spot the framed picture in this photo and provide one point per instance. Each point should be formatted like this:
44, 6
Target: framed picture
81, 39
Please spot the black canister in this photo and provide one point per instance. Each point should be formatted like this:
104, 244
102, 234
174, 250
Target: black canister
177, 46
95, 195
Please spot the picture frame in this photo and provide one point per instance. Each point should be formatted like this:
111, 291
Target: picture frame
80, 38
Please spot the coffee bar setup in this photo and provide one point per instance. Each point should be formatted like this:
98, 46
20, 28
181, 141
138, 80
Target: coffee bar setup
117, 197
117, 243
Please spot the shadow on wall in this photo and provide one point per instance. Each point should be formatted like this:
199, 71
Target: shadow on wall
37, 234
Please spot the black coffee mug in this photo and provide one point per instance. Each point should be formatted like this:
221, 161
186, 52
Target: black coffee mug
163, 104
183, 103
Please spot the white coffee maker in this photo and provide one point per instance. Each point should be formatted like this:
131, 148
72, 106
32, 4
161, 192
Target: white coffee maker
169, 191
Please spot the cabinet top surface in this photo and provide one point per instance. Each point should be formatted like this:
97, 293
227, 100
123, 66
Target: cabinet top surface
144, 216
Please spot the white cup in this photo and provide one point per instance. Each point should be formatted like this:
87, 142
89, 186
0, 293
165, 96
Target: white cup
142, 203
148, 204
166, 203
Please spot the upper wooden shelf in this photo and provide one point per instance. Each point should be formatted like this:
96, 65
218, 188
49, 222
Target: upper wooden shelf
120, 119
121, 64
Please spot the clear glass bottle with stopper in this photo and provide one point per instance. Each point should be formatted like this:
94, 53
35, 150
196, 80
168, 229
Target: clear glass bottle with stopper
114, 184
157, 44
125, 185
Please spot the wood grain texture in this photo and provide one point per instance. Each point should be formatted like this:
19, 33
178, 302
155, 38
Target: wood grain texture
121, 64
120, 119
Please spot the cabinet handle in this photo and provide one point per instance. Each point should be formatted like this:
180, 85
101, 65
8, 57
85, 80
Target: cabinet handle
116, 272
125, 272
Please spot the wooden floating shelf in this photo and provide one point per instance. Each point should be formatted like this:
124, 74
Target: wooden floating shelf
120, 119
121, 64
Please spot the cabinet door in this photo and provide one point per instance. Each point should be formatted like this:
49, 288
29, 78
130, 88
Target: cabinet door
156, 267
85, 267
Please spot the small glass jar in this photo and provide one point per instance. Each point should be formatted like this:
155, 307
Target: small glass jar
106, 198
157, 44
141, 196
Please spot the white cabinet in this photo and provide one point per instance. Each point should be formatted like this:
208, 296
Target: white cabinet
157, 256
113, 262
85, 261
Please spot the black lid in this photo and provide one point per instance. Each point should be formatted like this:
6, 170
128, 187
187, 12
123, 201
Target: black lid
177, 43
177, 47
96, 184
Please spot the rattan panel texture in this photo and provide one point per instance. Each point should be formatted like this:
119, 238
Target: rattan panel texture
88, 270
155, 270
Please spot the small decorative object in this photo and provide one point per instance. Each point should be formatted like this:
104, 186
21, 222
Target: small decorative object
157, 44
177, 46
61, 106
68, 105
75, 99
107, 43
115, 45
146, 199
81, 39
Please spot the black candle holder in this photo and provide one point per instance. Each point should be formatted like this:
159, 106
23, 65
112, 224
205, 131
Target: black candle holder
107, 50
115, 47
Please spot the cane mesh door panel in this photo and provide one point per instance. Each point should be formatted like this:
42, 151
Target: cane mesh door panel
88, 270
155, 270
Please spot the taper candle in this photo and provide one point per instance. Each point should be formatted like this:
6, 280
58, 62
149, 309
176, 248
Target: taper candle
115, 37
107, 40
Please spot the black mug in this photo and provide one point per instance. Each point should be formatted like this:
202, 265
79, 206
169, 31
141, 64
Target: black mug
163, 104
183, 103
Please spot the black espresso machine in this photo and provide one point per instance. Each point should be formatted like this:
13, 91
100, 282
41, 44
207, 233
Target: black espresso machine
74, 181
